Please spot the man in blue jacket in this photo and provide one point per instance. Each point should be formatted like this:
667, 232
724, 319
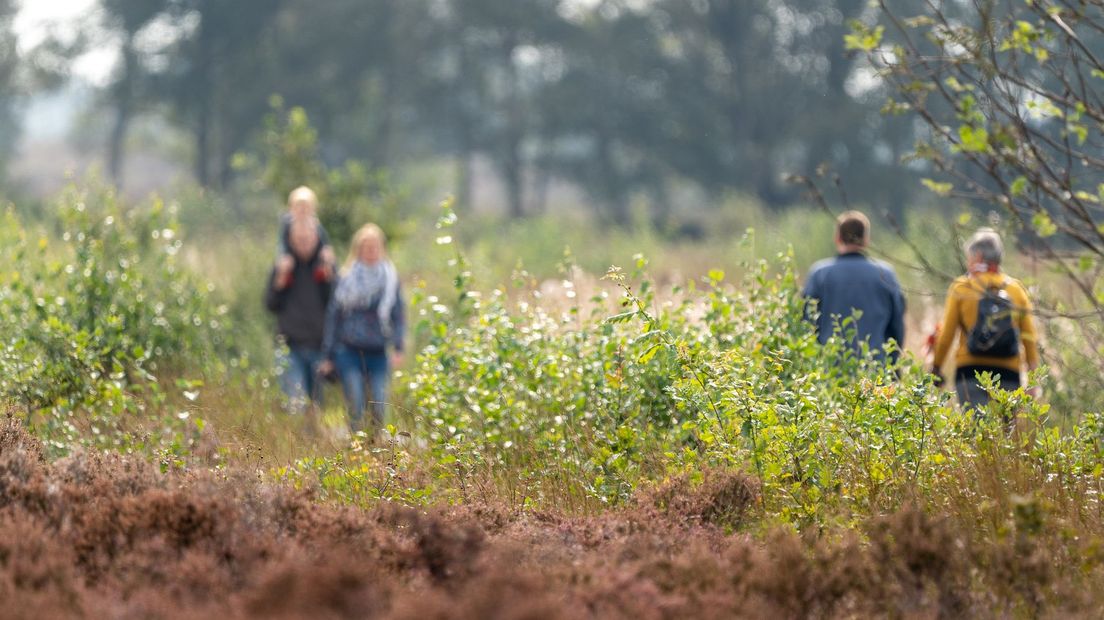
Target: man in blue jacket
854, 284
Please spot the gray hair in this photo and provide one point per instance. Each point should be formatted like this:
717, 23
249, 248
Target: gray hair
987, 243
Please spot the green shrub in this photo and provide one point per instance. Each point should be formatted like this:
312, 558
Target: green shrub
97, 317
578, 408
349, 196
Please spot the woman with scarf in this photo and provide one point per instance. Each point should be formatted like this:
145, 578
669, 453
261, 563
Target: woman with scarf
364, 320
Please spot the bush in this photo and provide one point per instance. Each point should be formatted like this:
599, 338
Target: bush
349, 196
578, 408
97, 318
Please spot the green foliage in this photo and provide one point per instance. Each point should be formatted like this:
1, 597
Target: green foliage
365, 473
95, 318
863, 38
579, 406
349, 196
629, 102
10, 66
1026, 153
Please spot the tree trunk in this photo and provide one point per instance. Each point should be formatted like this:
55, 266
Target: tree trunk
512, 174
204, 84
123, 112
461, 122
612, 188
203, 142
464, 180
513, 160
541, 188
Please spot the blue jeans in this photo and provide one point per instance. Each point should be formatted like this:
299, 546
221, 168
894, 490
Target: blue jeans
299, 377
356, 368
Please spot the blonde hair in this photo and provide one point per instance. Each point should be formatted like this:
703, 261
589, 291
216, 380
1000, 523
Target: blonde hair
302, 193
364, 233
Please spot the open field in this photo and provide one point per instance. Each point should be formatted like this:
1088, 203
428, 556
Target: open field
668, 441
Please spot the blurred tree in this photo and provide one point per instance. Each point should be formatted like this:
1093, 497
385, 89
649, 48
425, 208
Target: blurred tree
361, 67
763, 90
9, 83
348, 196
499, 49
1011, 97
621, 97
603, 119
128, 18
221, 76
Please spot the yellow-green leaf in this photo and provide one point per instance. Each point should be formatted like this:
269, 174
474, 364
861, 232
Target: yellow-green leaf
940, 189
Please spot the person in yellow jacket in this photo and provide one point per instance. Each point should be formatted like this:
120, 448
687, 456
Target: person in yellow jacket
1004, 298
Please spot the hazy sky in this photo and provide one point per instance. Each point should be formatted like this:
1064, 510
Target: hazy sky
37, 18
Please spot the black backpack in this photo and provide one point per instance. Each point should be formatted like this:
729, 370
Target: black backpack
995, 333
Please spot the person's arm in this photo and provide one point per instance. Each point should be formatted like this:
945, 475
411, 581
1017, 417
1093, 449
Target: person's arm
812, 294
329, 331
1028, 335
273, 298
951, 318
398, 321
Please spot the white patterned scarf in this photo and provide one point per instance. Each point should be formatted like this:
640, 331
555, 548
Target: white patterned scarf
364, 284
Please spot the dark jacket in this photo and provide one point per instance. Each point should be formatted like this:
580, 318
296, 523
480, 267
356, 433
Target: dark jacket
300, 308
851, 282
361, 328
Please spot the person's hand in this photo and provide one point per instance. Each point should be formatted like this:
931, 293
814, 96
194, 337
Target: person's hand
326, 368
284, 265
1035, 392
397, 359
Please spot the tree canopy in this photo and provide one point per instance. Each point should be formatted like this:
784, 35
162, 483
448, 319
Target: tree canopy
625, 99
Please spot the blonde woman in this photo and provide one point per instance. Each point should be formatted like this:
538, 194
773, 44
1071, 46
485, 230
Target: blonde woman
363, 337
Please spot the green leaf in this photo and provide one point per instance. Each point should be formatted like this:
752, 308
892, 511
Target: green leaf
716, 275
1079, 130
624, 317
973, 139
940, 189
957, 86
1018, 186
864, 39
1044, 226
650, 353
1086, 197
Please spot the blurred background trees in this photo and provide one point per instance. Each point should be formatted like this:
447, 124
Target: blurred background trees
9, 66
642, 108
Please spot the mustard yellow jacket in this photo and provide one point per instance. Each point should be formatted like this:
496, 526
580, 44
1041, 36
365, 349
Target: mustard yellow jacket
960, 316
